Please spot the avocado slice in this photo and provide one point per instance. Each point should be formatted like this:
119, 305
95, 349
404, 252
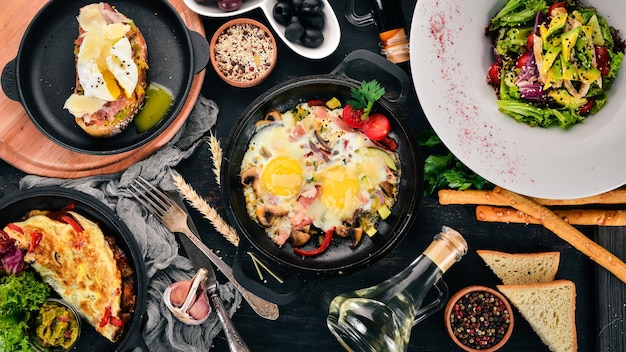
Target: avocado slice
563, 98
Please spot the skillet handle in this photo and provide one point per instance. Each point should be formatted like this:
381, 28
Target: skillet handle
201, 51
244, 271
9, 80
351, 61
137, 342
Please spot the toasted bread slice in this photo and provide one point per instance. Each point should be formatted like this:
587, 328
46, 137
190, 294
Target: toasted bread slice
113, 115
522, 268
549, 308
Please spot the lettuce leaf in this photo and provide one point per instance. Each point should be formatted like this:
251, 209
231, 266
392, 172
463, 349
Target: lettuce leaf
517, 13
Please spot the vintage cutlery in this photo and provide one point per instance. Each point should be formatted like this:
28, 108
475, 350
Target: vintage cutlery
176, 220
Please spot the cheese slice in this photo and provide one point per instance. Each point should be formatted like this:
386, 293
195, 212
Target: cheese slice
78, 265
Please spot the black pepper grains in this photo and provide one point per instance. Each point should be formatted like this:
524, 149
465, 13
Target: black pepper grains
479, 319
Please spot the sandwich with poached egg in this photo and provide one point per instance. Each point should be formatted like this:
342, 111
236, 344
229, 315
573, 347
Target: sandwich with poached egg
111, 67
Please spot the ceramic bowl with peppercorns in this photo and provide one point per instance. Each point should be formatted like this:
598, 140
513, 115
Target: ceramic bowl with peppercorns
479, 318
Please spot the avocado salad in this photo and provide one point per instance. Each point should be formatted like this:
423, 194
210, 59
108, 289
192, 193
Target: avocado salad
554, 61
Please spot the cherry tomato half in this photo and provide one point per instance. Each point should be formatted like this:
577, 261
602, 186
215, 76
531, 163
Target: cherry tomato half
377, 127
522, 60
493, 75
352, 117
554, 6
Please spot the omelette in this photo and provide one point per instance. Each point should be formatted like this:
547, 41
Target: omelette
72, 255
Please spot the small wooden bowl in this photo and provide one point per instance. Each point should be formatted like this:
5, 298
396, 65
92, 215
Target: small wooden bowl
241, 58
453, 315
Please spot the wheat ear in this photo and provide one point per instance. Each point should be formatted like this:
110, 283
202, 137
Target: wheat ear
216, 156
205, 209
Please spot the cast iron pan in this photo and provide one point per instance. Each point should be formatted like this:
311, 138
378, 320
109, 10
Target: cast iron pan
17, 204
339, 258
42, 76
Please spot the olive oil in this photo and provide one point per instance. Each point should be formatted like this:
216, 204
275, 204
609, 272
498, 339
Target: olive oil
380, 318
158, 101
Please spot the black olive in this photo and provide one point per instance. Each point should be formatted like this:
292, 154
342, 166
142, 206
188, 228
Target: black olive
297, 5
312, 38
312, 6
315, 21
282, 12
294, 31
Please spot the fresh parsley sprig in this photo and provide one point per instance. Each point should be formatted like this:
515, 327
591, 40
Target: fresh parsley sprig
445, 170
365, 96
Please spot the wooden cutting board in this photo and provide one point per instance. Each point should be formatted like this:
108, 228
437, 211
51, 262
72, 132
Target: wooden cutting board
25, 147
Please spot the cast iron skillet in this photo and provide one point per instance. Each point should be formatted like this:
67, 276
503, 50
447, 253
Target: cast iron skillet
340, 258
42, 76
17, 204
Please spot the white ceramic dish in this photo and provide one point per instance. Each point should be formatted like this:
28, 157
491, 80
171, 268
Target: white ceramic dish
331, 31
450, 56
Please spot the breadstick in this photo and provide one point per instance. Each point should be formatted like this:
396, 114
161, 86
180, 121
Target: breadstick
472, 196
599, 217
468, 196
565, 231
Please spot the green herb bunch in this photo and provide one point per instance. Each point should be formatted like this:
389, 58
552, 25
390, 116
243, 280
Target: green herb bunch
445, 170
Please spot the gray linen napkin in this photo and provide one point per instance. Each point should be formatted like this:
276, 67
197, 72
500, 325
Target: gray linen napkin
162, 332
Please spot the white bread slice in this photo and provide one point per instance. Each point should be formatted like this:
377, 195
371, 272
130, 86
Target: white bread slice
549, 308
522, 268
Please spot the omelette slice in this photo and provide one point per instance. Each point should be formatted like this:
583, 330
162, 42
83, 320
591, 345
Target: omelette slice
76, 261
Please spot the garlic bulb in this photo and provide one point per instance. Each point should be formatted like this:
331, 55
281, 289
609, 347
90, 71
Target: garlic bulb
188, 300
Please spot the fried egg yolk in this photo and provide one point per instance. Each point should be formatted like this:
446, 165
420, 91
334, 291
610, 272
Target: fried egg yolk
339, 189
282, 176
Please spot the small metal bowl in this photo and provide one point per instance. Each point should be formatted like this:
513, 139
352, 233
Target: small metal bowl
239, 65
464, 306
34, 339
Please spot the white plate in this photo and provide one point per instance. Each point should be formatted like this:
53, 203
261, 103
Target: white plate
450, 56
331, 31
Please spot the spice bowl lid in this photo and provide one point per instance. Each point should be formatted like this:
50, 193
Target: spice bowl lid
493, 323
243, 52
34, 325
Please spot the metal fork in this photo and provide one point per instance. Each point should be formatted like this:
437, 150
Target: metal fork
175, 219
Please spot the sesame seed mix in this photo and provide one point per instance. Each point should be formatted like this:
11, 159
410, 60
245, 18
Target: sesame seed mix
243, 52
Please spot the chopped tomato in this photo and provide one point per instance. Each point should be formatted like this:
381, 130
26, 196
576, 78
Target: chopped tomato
377, 127
522, 60
14, 227
493, 76
352, 117
554, 6
585, 109
106, 318
70, 220
115, 321
35, 238
603, 60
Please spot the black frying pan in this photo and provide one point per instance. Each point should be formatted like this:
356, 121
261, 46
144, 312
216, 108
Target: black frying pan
42, 76
340, 258
15, 205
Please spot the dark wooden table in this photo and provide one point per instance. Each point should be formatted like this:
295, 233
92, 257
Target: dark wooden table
302, 323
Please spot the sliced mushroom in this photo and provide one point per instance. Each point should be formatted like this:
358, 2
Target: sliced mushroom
273, 115
387, 188
265, 213
299, 238
355, 233
324, 143
250, 177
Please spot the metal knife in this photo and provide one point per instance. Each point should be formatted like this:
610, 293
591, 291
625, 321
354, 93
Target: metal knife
204, 258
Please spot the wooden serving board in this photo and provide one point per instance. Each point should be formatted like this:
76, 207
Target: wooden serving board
25, 147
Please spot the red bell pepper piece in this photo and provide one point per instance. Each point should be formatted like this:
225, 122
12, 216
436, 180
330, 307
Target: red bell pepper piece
106, 318
328, 236
70, 220
14, 227
35, 238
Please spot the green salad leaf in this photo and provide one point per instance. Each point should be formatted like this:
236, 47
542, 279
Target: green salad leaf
517, 12
20, 295
445, 170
